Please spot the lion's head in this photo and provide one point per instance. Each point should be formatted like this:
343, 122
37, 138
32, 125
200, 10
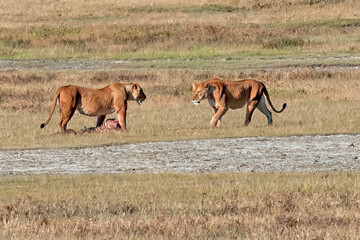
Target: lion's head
137, 93
200, 92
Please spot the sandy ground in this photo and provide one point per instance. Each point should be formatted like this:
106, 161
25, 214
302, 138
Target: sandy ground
260, 154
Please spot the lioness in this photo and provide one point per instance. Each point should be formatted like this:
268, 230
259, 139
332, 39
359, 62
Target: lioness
223, 95
95, 102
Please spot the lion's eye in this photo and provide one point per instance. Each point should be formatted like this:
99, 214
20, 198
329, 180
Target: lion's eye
198, 92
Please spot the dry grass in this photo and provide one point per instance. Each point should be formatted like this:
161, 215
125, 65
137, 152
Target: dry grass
177, 29
195, 37
172, 206
317, 104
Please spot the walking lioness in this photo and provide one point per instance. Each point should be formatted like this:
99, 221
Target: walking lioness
223, 95
95, 102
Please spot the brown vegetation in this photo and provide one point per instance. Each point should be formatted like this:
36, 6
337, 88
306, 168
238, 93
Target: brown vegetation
97, 29
201, 39
168, 206
317, 104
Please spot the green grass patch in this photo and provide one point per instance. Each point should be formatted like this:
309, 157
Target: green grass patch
285, 43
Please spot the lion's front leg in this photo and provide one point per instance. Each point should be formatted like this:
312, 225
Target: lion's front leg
100, 120
219, 113
218, 124
121, 112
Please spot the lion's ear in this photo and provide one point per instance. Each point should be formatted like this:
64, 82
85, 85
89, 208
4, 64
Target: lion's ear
207, 87
134, 86
194, 86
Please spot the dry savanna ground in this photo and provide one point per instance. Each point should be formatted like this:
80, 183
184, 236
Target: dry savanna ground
171, 45
177, 29
174, 206
318, 103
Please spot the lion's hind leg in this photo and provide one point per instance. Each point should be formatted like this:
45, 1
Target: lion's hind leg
65, 118
262, 108
67, 111
251, 105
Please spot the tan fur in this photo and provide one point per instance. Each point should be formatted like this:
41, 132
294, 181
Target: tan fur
223, 95
95, 102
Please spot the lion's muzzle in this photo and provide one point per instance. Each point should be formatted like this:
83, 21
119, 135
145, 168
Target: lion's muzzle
140, 99
195, 102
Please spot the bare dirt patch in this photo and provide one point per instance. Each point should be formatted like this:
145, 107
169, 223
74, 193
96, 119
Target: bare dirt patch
269, 65
259, 154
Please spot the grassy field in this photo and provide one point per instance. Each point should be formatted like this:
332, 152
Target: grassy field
168, 45
177, 29
317, 104
305, 51
173, 206
172, 44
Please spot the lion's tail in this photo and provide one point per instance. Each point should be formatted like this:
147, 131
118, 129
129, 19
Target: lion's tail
54, 101
270, 103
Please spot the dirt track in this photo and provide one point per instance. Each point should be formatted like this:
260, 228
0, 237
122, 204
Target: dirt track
318, 64
274, 154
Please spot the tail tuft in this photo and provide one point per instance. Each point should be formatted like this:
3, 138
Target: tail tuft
42, 125
284, 106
